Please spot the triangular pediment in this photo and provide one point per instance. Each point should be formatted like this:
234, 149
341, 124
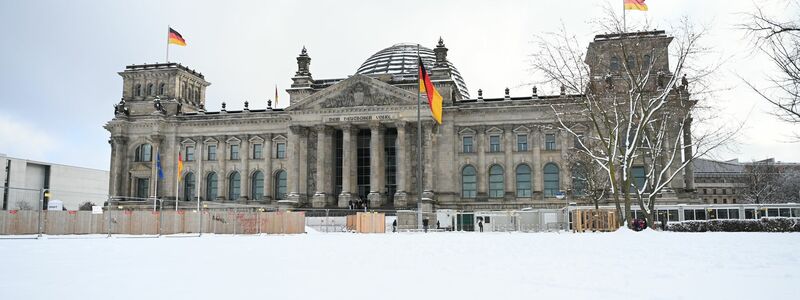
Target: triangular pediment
356, 91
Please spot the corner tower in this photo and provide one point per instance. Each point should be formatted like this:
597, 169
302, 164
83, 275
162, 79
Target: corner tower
178, 89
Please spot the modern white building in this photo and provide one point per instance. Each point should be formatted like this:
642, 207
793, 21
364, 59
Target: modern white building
22, 181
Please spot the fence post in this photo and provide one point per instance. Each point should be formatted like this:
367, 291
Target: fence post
160, 213
41, 203
234, 221
200, 222
108, 214
327, 220
258, 221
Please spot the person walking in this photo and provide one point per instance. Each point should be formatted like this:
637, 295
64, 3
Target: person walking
480, 225
425, 224
394, 225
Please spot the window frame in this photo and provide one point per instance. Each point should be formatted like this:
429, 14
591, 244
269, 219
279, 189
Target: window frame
522, 192
468, 147
280, 153
548, 144
473, 191
522, 147
497, 180
498, 145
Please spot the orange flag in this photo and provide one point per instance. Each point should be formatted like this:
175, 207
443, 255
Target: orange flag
635, 5
176, 38
434, 99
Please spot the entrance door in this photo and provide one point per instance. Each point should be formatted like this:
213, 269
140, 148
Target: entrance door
465, 222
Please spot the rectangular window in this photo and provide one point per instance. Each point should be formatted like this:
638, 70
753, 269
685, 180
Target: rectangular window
212, 152
549, 141
522, 142
494, 143
467, 144
142, 187
280, 150
189, 153
234, 151
258, 151
639, 176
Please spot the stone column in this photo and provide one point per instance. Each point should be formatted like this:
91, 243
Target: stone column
536, 162
427, 129
348, 147
508, 151
267, 167
377, 167
244, 159
482, 173
323, 149
401, 146
293, 153
222, 177
118, 154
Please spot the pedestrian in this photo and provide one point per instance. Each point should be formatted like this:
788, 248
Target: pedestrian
350, 204
394, 225
438, 226
480, 225
425, 224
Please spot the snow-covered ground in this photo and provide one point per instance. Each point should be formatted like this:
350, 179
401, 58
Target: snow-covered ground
648, 265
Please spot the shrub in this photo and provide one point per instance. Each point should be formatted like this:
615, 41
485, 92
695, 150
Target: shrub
86, 206
761, 225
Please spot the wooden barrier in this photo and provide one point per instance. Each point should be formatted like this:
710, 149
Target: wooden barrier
604, 220
367, 222
150, 222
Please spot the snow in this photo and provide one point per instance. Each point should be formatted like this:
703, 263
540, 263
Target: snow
652, 265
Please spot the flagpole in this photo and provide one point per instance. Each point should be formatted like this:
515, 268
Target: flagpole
167, 43
624, 19
177, 180
155, 190
419, 145
197, 188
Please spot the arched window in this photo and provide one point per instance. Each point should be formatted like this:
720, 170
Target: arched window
137, 90
150, 89
144, 153
496, 184
614, 64
631, 62
579, 180
469, 182
647, 60
551, 186
234, 185
523, 181
257, 186
189, 190
211, 187
280, 185
161, 89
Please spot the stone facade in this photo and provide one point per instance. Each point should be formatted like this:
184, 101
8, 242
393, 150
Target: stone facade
341, 140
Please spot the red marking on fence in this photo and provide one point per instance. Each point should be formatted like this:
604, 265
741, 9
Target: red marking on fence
128, 212
13, 212
181, 212
72, 212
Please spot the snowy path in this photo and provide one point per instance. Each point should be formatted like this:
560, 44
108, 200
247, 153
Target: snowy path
406, 266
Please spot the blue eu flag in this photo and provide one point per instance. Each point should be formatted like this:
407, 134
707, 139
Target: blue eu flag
158, 164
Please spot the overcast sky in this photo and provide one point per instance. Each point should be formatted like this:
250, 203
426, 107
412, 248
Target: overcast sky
59, 59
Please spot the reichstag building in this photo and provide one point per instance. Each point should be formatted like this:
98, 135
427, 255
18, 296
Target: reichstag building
346, 139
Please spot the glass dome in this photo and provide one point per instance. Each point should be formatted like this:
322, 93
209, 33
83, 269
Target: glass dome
401, 60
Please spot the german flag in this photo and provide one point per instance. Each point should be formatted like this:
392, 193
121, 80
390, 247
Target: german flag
434, 99
176, 38
635, 5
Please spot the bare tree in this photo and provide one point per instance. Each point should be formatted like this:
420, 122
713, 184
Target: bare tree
588, 179
636, 104
761, 181
24, 205
768, 182
780, 41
